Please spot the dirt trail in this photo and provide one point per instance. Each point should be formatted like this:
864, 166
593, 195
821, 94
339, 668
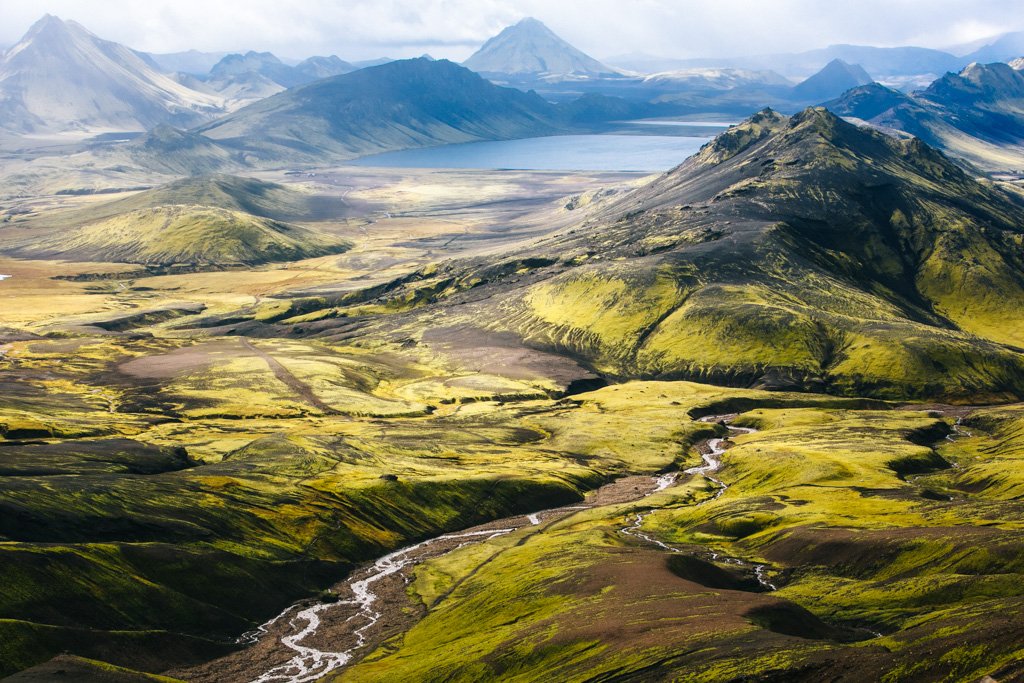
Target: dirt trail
291, 381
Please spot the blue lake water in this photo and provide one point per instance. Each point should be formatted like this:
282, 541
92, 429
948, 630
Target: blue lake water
557, 153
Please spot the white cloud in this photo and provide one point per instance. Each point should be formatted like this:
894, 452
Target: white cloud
453, 28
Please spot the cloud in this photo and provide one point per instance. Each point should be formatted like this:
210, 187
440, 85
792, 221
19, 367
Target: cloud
356, 29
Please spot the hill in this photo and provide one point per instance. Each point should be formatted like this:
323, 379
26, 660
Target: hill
398, 105
206, 221
974, 114
789, 253
61, 77
834, 79
529, 48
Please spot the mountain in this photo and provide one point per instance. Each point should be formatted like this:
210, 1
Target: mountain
801, 252
836, 78
262, 63
975, 114
1006, 47
717, 79
205, 221
315, 68
1018, 64
868, 102
883, 62
243, 79
61, 77
191, 62
398, 105
530, 48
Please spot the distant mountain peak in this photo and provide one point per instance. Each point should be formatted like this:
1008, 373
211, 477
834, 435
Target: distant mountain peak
61, 77
531, 21
834, 79
531, 48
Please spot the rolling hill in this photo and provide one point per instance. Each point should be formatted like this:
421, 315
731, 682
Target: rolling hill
799, 252
201, 221
61, 77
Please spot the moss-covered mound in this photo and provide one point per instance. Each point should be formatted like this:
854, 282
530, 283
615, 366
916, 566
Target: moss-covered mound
187, 234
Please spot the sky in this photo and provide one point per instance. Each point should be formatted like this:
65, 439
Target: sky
453, 29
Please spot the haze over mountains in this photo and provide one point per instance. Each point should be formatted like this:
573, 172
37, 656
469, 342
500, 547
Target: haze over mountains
61, 77
837, 76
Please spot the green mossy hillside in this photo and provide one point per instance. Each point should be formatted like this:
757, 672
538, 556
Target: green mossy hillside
186, 235
875, 569
790, 253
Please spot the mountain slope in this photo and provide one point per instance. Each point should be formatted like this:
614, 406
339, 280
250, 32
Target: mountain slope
789, 253
1007, 46
203, 220
977, 114
836, 78
60, 77
398, 105
531, 48
186, 235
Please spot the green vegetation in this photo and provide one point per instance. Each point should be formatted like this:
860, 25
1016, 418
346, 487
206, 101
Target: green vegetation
183, 454
794, 253
170, 235
817, 496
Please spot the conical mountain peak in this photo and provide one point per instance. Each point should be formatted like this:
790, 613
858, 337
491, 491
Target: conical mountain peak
531, 48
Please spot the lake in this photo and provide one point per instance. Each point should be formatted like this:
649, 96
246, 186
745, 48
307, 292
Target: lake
648, 153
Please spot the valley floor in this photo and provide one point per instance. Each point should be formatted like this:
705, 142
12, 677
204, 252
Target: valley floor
169, 482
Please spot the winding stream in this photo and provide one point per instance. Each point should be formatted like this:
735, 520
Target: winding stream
310, 663
360, 611
712, 463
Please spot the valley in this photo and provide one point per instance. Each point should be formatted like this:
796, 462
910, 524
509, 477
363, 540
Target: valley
529, 368
215, 418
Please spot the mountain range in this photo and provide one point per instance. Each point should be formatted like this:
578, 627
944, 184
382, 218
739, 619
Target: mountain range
975, 114
402, 104
60, 76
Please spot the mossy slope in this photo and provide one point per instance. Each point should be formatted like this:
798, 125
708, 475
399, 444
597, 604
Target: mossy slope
797, 252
